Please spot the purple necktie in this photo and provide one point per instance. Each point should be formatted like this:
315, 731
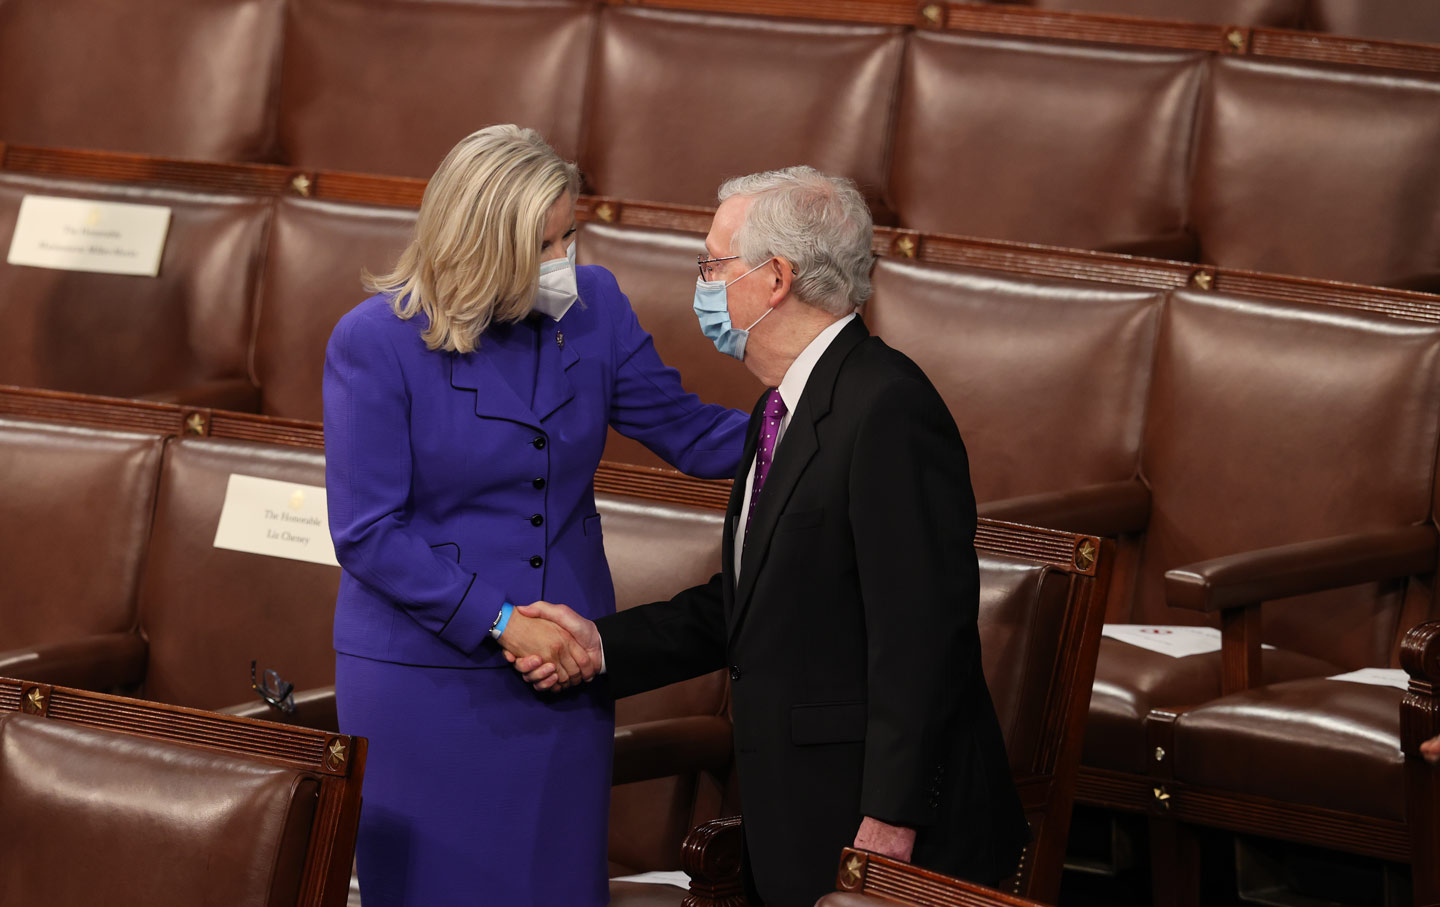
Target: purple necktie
765, 450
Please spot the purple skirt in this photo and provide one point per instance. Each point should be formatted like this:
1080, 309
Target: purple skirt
477, 789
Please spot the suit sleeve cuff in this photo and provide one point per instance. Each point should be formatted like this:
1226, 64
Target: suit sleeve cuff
469, 627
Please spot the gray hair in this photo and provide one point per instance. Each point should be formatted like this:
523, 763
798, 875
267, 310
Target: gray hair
819, 223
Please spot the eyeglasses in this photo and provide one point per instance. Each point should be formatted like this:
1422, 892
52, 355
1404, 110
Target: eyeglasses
707, 265
275, 691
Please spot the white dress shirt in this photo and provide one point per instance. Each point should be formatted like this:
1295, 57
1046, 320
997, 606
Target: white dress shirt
791, 387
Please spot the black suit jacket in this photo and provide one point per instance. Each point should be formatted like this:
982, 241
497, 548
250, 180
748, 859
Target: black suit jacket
851, 638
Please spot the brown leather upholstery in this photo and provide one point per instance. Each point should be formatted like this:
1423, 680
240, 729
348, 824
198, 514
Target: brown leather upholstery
1393, 20
1322, 171
391, 87
312, 277
1319, 742
128, 336
656, 550
74, 513
1269, 13
1049, 142
168, 77
1022, 361
209, 611
681, 101
138, 821
656, 270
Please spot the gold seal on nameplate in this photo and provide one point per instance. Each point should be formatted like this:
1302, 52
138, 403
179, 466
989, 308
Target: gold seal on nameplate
297, 500
852, 875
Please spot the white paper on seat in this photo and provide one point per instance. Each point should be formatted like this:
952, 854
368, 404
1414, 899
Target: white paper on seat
278, 519
678, 879
1177, 642
1380, 677
76, 234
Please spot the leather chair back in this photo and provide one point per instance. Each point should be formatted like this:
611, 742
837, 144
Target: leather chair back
74, 513
680, 101
1322, 171
1272, 423
1267, 13
1023, 361
312, 277
655, 550
123, 335
1048, 142
1391, 20
207, 611
391, 87
656, 270
176, 78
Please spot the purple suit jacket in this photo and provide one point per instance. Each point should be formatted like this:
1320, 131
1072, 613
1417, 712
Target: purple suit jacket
449, 495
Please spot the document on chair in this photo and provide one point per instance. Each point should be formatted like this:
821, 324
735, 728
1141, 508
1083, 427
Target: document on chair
1177, 642
277, 519
1380, 677
76, 234
678, 879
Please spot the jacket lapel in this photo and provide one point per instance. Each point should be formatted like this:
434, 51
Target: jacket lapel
552, 386
797, 448
494, 398
732, 510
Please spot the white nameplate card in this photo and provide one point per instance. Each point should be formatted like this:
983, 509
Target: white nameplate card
1380, 677
677, 879
73, 234
279, 519
1176, 642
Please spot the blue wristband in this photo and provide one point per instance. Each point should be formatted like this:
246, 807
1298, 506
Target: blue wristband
500, 622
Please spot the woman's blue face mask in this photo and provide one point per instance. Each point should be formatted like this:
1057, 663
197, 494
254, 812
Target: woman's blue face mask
713, 311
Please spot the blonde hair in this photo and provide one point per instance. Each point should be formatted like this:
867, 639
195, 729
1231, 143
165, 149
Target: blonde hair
475, 255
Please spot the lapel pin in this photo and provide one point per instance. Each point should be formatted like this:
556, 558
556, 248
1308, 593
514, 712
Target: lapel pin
560, 339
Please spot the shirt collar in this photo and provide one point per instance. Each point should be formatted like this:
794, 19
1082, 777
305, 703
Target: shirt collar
798, 374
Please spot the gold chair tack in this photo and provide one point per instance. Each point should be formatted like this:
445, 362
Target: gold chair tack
302, 185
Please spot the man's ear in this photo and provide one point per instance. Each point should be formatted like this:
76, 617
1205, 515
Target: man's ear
781, 274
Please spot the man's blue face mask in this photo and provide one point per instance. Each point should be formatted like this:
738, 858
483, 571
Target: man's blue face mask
714, 314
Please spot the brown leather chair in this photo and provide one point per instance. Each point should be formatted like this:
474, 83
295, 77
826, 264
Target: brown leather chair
1391, 20
1267, 13
312, 277
656, 270
1049, 142
1319, 170
75, 514
1041, 604
182, 336
1022, 361
680, 101
175, 78
134, 803
391, 87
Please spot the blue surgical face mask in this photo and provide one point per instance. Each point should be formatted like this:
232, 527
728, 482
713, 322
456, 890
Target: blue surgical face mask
557, 291
714, 314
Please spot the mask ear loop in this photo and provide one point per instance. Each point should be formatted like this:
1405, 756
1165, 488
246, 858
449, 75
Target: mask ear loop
747, 273
758, 320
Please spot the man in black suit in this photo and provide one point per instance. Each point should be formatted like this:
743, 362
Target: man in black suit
846, 608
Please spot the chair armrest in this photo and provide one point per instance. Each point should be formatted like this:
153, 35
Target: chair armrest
235, 394
671, 746
1420, 709
109, 661
1109, 509
862, 872
710, 856
314, 708
1252, 577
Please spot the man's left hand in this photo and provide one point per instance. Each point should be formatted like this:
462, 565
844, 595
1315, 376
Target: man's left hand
893, 841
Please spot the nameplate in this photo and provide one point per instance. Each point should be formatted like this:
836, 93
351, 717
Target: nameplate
1177, 642
72, 234
1379, 677
277, 519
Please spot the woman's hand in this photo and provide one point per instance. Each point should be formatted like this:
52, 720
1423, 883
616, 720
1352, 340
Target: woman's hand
543, 675
527, 637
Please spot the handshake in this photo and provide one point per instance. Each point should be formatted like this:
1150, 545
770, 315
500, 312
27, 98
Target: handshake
552, 646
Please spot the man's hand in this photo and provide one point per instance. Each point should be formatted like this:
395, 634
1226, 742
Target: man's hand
529, 638
1430, 749
893, 841
546, 673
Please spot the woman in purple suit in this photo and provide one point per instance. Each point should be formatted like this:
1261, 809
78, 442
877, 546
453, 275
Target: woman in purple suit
466, 406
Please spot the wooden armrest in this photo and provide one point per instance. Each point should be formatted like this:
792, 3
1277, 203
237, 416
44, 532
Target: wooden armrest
110, 661
235, 394
1252, 577
672, 746
314, 708
862, 872
1420, 709
711, 857
1109, 509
